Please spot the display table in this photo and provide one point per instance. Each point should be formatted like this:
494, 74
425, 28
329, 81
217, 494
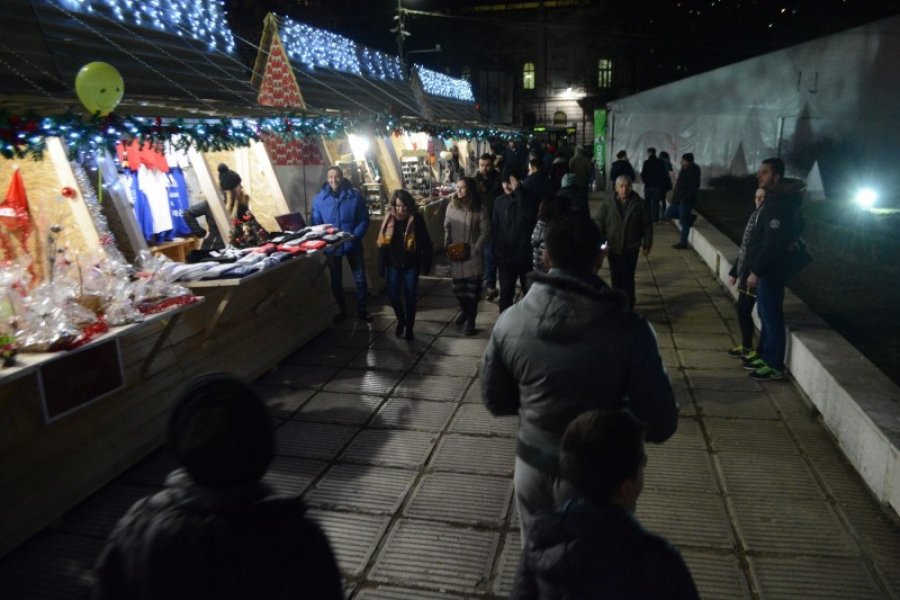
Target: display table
53, 457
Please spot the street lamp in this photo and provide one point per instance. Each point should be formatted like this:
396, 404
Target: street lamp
400, 30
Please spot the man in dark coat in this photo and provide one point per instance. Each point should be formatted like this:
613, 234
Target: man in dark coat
487, 187
684, 198
621, 166
594, 547
568, 346
512, 223
537, 183
216, 532
654, 176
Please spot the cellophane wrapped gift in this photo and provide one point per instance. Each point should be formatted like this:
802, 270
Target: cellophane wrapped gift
153, 290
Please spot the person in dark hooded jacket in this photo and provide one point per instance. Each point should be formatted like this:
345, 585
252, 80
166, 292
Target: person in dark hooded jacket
216, 531
594, 547
568, 346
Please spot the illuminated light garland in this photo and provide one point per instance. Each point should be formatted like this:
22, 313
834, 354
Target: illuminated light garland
24, 136
438, 84
203, 20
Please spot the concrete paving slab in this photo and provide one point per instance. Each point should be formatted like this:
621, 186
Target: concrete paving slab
702, 341
794, 578
745, 473
730, 404
312, 440
408, 413
473, 393
392, 342
437, 556
733, 380
433, 363
441, 315
476, 500
353, 537
362, 488
508, 563
704, 322
709, 359
436, 301
475, 418
432, 387
387, 592
338, 338
474, 454
791, 406
482, 331
283, 402
755, 437
363, 381
51, 566
390, 448
290, 475
297, 377
384, 360
691, 518
321, 356
344, 409
679, 469
788, 525
688, 436
718, 576
456, 346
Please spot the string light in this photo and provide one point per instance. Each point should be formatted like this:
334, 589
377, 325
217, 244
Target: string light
438, 84
205, 20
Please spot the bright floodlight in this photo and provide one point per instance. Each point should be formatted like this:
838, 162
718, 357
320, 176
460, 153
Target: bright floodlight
866, 197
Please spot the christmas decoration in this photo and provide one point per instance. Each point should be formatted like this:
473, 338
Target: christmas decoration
99, 87
437, 84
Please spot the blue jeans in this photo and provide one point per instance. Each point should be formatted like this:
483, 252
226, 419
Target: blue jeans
358, 268
490, 265
682, 211
652, 196
409, 280
770, 306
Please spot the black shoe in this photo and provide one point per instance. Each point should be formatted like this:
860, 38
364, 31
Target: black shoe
399, 330
680, 246
341, 316
461, 318
409, 334
364, 316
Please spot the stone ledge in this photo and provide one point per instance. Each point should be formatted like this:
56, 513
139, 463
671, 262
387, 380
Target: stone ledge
859, 405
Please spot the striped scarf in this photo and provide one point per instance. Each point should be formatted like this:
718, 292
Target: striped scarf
387, 232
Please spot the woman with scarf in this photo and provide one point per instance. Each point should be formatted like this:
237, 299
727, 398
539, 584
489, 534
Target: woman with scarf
404, 251
466, 231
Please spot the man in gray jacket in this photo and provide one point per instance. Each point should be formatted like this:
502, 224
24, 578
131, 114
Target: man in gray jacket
570, 346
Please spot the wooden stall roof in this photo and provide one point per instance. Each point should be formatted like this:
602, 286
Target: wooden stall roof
45, 42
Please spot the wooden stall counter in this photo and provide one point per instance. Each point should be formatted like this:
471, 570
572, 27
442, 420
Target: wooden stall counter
242, 326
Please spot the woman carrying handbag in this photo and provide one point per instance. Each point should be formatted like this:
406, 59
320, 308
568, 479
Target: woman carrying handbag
466, 231
404, 250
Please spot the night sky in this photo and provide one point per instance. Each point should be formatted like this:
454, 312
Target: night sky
673, 38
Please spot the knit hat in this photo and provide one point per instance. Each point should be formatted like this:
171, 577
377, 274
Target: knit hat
228, 179
220, 432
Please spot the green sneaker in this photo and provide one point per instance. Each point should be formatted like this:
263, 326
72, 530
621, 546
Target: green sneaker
767, 373
741, 352
754, 363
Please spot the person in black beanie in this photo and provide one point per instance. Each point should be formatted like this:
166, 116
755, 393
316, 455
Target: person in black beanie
216, 531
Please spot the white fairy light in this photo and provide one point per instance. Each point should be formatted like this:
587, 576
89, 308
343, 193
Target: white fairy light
438, 84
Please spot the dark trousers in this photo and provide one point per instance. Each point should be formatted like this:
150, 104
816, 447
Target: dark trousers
682, 211
770, 306
652, 196
358, 268
508, 276
408, 279
621, 270
745, 303
490, 266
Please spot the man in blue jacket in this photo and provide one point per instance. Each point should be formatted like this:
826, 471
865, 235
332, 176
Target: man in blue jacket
339, 204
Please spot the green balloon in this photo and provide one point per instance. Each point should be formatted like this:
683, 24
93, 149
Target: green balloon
99, 87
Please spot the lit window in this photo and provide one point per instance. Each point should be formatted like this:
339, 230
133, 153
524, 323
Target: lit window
604, 73
528, 76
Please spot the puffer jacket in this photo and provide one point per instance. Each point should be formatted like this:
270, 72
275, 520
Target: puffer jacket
587, 551
778, 225
568, 347
189, 542
346, 210
628, 230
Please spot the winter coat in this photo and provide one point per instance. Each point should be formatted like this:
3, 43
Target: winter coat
778, 225
580, 165
487, 189
620, 167
538, 246
346, 210
419, 257
687, 185
628, 230
654, 174
567, 347
538, 185
462, 224
592, 551
189, 542
512, 223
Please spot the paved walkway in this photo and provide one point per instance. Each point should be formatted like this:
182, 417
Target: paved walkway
411, 478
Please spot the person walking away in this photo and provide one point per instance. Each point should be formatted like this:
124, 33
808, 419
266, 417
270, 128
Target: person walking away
684, 198
621, 166
466, 222
404, 251
654, 176
769, 246
548, 210
568, 346
340, 204
487, 188
216, 531
746, 300
537, 183
626, 226
667, 185
512, 223
594, 547
581, 166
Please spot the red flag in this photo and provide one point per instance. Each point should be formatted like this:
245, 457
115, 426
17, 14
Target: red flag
14, 213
